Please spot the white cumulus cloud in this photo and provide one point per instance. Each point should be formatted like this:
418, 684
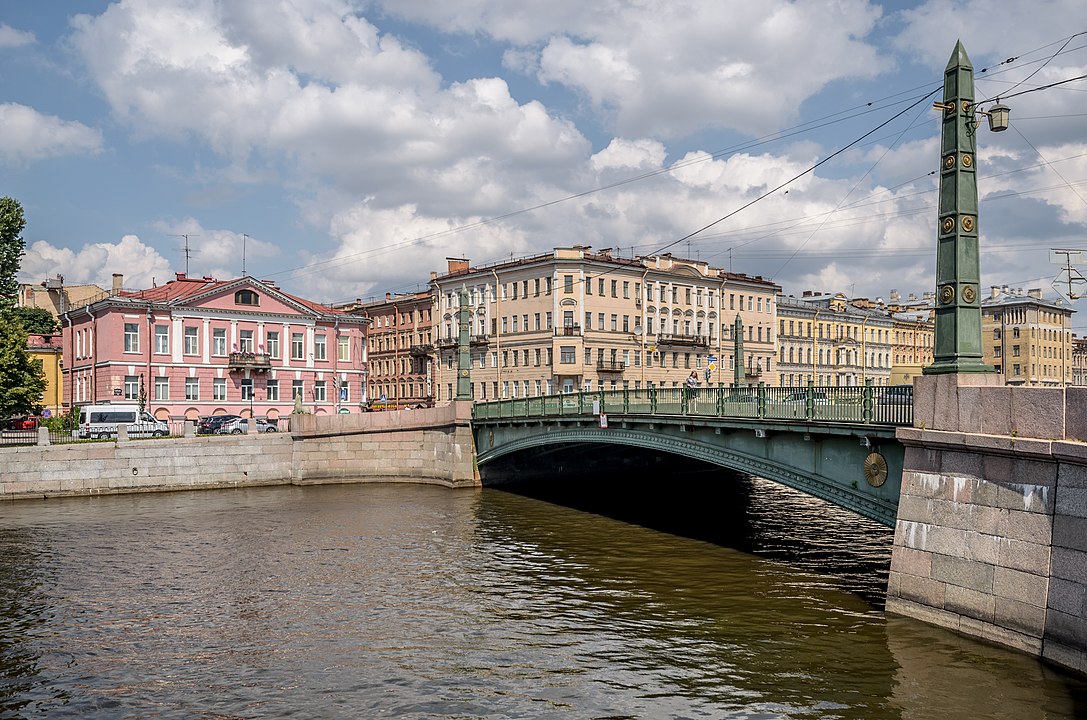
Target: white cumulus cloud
26, 134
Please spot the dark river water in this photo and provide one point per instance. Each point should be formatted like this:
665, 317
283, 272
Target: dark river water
401, 601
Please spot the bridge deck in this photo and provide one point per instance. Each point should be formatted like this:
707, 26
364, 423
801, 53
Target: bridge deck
868, 405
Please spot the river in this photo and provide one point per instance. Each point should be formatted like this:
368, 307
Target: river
404, 601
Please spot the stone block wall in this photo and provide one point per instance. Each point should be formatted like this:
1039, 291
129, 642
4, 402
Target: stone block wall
434, 445
991, 537
145, 465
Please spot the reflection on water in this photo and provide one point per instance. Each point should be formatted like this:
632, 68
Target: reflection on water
417, 602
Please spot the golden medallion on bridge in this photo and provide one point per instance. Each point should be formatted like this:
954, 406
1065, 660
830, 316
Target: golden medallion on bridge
969, 294
947, 294
967, 223
967, 161
875, 469
949, 162
947, 224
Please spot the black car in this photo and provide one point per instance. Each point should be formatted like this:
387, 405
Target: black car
211, 425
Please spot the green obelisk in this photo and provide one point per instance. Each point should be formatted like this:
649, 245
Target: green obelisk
958, 299
464, 356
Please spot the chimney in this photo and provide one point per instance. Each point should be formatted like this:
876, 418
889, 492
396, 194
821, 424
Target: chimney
994, 291
118, 283
1035, 293
179, 276
457, 265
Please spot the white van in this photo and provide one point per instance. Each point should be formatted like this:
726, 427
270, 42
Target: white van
101, 421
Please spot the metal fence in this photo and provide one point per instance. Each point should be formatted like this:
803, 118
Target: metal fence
868, 404
12, 438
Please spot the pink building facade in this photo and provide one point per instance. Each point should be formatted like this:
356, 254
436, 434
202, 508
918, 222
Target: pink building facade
199, 346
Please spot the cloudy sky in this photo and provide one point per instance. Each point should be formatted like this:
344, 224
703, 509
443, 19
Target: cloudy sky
351, 146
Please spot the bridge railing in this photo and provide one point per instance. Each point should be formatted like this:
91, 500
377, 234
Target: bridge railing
867, 404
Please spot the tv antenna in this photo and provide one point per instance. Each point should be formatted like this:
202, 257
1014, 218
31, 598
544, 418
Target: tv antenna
244, 238
187, 253
1069, 276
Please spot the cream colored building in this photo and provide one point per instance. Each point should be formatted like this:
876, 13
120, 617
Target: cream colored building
573, 319
911, 350
826, 340
1026, 337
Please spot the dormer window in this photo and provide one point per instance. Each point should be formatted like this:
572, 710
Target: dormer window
246, 297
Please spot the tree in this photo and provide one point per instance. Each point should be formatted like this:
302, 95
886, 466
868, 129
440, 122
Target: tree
22, 380
36, 320
12, 223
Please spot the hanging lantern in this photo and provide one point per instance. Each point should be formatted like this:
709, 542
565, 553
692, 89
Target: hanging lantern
998, 117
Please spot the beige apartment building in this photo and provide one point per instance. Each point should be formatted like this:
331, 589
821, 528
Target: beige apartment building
1026, 337
573, 319
826, 340
914, 338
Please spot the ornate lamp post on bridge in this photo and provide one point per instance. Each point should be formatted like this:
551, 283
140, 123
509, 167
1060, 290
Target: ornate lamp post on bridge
958, 347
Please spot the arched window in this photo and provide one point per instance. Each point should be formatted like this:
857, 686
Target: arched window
246, 297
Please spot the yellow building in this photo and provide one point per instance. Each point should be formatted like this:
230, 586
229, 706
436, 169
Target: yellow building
1026, 338
573, 319
911, 351
47, 349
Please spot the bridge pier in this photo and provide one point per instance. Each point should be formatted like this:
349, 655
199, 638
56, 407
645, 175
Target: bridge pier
991, 535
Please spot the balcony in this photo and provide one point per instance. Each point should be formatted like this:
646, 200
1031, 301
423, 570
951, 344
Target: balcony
568, 331
421, 350
447, 343
683, 340
610, 366
249, 361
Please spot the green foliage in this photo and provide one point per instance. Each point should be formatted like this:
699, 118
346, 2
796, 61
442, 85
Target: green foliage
61, 423
36, 320
22, 380
12, 223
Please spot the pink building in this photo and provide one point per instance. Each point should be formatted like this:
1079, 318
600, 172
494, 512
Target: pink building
200, 346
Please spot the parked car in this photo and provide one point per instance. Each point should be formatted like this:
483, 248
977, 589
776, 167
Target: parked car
897, 395
21, 422
818, 397
241, 426
101, 421
213, 424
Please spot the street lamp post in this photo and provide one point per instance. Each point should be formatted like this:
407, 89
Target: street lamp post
958, 300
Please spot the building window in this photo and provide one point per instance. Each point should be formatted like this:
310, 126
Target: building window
297, 346
297, 389
162, 388
132, 337
567, 354
271, 391
218, 389
246, 297
245, 341
247, 389
343, 348
162, 339
218, 342
192, 343
273, 344
132, 387
192, 388
626, 289
568, 283
319, 389
319, 343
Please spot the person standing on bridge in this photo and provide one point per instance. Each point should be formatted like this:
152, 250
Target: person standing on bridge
692, 380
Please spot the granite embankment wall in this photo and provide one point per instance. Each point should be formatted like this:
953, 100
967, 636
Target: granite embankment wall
991, 538
433, 446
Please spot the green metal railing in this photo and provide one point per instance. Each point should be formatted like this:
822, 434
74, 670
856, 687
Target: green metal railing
867, 404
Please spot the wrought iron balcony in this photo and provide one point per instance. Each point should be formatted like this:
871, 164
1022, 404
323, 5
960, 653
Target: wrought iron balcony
421, 350
611, 366
446, 343
685, 340
568, 331
249, 361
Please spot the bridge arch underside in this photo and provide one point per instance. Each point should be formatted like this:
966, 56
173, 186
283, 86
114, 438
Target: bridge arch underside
827, 466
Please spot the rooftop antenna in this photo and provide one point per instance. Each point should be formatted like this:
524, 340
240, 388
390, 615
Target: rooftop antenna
187, 253
244, 238
1068, 275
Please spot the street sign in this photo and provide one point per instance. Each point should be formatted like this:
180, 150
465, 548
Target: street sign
712, 359
343, 394
383, 398
603, 420
47, 413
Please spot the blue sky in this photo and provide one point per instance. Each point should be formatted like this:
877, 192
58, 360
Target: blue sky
353, 146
